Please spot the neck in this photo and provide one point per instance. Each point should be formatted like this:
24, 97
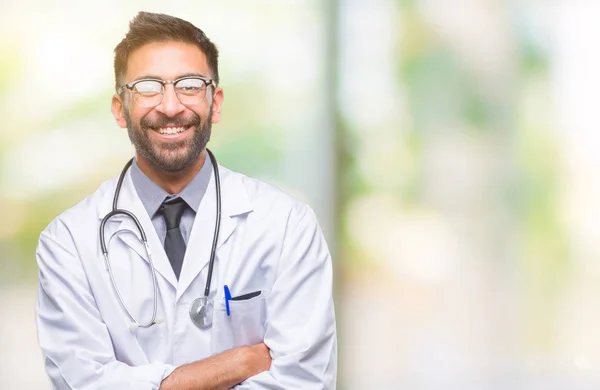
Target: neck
172, 182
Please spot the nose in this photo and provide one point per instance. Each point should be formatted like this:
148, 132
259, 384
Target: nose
170, 105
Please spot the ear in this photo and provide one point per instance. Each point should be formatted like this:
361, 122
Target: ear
216, 105
118, 111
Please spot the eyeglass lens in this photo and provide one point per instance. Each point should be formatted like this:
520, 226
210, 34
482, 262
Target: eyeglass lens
149, 93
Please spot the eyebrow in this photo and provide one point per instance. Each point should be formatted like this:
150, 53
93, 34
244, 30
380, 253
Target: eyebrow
153, 77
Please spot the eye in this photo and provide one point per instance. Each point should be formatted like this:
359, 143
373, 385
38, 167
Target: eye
147, 87
191, 86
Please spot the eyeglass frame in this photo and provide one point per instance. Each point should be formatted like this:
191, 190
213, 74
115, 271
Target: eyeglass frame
208, 82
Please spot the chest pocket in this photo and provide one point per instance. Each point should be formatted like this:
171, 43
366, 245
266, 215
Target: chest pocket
245, 324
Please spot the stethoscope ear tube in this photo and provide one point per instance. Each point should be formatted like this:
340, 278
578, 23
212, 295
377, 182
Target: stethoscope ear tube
120, 184
213, 250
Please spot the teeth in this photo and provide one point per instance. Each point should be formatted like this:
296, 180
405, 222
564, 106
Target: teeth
171, 130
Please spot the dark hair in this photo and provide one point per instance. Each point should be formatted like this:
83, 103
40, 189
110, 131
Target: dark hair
148, 27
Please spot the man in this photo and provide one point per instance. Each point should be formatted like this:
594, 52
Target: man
131, 320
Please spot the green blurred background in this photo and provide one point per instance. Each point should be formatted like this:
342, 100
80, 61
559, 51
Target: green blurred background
449, 147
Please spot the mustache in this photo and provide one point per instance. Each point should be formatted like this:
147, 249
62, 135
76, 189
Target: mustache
165, 121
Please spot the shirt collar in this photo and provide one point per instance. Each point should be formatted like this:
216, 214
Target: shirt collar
152, 195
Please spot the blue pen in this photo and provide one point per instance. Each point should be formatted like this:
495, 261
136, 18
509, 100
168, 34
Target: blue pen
227, 298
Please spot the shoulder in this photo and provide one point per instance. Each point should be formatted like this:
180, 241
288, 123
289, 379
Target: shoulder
84, 214
267, 198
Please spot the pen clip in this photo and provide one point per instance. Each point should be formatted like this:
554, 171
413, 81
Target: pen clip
227, 299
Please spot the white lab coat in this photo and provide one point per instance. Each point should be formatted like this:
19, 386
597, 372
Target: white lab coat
268, 241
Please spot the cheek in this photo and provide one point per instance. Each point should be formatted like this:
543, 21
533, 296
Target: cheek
202, 111
135, 115
205, 113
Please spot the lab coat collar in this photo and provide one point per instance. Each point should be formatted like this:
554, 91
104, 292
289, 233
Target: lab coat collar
235, 202
129, 233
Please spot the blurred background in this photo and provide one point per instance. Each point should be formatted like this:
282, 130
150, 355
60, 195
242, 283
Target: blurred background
449, 147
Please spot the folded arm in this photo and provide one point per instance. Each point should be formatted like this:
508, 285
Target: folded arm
77, 348
301, 328
221, 371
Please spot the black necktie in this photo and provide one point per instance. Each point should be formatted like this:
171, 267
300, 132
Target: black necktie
174, 243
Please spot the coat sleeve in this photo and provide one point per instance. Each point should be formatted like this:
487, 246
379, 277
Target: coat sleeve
76, 345
300, 326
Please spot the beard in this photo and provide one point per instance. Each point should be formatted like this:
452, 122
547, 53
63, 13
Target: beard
169, 156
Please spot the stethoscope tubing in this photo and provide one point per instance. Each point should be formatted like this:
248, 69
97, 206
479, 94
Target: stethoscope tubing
213, 250
116, 211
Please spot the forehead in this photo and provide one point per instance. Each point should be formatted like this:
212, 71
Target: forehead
166, 60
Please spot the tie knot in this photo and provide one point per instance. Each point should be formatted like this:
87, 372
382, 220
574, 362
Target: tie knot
172, 211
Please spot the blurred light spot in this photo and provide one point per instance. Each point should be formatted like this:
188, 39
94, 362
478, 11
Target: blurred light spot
415, 244
582, 362
58, 159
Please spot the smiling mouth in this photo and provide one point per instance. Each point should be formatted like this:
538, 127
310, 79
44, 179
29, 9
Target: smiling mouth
170, 130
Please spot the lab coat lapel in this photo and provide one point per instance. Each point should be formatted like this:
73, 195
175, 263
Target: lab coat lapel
129, 233
234, 202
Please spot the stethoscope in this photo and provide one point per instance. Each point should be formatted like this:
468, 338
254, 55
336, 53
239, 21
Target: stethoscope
201, 310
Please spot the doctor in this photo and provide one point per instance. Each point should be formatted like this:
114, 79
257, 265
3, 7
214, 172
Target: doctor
115, 313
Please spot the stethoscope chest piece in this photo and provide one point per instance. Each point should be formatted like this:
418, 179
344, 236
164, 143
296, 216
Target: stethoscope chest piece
201, 312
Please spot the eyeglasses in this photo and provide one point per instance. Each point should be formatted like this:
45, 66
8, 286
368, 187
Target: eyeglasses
147, 93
